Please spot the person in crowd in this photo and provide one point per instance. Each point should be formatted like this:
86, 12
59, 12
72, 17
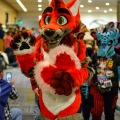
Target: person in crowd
1, 38
115, 25
87, 99
11, 113
23, 29
7, 38
4, 61
12, 58
34, 32
37, 113
105, 82
117, 47
5, 89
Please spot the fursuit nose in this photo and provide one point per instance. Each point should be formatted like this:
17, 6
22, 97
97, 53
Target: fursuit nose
49, 32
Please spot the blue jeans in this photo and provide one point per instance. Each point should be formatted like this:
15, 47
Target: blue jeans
37, 113
16, 114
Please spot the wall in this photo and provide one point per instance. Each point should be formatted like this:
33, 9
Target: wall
5, 8
29, 20
86, 18
96, 19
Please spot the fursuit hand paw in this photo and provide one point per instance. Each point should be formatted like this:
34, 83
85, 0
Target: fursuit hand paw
23, 43
91, 72
63, 83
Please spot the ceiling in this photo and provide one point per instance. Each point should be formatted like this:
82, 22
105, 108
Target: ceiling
32, 6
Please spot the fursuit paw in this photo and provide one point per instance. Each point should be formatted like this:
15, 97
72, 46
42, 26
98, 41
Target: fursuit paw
23, 43
91, 72
63, 83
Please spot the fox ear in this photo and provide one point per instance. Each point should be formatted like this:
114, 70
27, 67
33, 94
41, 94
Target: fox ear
56, 3
74, 6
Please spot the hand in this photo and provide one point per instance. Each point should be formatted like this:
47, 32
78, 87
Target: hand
36, 91
91, 73
23, 41
12, 82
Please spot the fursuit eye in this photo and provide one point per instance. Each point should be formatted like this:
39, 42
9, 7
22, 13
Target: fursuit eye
110, 42
62, 20
47, 20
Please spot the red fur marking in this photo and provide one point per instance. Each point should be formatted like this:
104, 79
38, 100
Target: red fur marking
25, 64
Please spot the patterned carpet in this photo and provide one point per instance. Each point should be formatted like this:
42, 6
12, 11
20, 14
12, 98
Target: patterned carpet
26, 99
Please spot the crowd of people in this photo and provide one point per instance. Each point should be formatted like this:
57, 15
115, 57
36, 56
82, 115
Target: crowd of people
100, 94
7, 57
5, 37
95, 95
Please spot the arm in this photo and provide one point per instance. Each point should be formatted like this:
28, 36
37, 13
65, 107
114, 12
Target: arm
23, 45
33, 84
5, 89
13, 94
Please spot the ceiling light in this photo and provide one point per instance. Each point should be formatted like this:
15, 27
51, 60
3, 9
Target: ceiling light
97, 8
39, 0
90, 1
21, 5
81, 6
39, 5
89, 11
107, 4
105, 11
110, 9
39, 9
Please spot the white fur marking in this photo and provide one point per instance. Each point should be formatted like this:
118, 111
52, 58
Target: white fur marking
74, 9
56, 103
64, 49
